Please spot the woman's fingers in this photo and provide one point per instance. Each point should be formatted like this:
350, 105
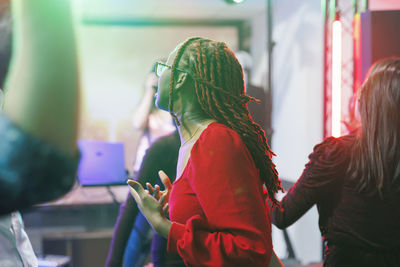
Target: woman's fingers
156, 193
168, 187
150, 188
148, 205
166, 210
146, 202
165, 180
162, 200
137, 190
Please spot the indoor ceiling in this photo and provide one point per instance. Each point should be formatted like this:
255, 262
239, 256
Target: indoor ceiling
170, 9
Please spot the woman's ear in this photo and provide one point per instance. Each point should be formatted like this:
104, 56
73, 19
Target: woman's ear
181, 79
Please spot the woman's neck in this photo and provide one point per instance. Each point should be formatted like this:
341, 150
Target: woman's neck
191, 128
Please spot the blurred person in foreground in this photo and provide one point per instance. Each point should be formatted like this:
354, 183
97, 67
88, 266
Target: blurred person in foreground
355, 180
38, 126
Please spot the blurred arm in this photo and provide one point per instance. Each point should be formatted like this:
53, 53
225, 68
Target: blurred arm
42, 85
142, 112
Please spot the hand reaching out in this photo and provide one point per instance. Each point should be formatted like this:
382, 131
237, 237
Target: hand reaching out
152, 202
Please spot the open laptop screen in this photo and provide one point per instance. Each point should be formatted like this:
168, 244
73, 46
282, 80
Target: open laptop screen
102, 163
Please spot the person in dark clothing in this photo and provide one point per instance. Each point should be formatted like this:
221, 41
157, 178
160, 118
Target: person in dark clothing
355, 180
132, 249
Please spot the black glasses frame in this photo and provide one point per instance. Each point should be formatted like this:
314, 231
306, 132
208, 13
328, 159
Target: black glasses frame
161, 67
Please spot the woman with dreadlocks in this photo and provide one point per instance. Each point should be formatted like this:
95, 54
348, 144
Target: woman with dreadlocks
355, 180
216, 205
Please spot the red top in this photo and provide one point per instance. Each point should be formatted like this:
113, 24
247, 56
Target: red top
217, 206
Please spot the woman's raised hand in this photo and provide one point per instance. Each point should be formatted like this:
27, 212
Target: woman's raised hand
153, 203
161, 196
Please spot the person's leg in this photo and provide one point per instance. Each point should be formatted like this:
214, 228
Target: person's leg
139, 243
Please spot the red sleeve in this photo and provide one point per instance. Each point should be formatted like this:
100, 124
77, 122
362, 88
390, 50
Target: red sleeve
235, 230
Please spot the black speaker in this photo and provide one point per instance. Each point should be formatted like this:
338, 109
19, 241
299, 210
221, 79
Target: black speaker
380, 37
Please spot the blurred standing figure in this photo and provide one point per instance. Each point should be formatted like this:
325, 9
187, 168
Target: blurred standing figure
355, 180
153, 122
157, 150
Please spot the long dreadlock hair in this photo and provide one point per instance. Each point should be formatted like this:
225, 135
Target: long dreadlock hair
219, 87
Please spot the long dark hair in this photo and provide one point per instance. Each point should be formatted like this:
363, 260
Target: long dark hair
219, 88
375, 158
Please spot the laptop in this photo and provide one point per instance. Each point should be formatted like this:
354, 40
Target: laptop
102, 163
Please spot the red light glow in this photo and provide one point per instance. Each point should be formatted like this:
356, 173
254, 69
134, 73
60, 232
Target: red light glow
336, 78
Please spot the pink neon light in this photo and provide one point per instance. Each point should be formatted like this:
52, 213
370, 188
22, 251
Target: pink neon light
336, 78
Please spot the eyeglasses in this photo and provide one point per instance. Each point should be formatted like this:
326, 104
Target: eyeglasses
161, 67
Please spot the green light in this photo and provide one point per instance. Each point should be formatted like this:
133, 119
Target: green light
364, 6
234, 1
332, 9
323, 7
